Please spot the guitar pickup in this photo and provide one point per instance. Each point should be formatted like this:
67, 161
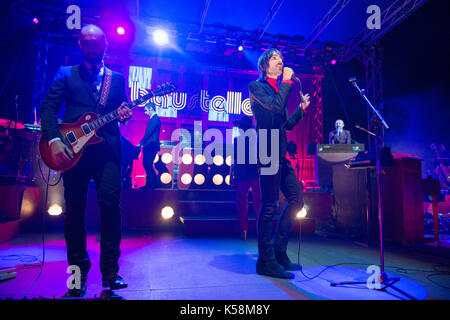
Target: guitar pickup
71, 137
85, 128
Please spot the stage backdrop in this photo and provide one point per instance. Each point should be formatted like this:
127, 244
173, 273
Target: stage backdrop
216, 97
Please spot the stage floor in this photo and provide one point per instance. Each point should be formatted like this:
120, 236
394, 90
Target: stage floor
172, 267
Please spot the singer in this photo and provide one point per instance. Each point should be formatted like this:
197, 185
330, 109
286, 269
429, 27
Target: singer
268, 97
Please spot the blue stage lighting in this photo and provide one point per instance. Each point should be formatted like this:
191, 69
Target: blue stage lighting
160, 37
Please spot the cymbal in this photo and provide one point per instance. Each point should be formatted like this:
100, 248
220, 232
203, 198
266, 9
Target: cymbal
11, 124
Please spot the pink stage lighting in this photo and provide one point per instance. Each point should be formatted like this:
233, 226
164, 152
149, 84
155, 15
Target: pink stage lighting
121, 31
36, 20
333, 62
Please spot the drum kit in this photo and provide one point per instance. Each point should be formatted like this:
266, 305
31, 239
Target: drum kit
19, 151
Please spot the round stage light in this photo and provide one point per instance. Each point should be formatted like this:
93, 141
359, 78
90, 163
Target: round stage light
160, 37
199, 179
167, 213
217, 179
166, 158
218, 160
55, 210
227, 179
228, 161
200, 159
186, 178
156, 158
240, 48
186, 158
166, 178
35, 20
302, 213
121, 31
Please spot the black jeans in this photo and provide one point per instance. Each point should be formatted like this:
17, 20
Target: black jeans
286, 181
98, 163
147, 161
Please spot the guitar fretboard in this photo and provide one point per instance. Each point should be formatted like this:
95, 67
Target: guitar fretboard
113, 115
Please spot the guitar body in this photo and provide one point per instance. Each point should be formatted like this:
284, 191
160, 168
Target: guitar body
77, 136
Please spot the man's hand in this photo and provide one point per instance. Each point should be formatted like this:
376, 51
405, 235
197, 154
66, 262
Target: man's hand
287, 73
124, 112
305, 101
60, 152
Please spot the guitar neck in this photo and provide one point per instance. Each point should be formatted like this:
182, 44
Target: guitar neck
113, 115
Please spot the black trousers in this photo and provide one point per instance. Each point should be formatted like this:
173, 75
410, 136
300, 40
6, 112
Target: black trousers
97, 163
148, 155
286, 181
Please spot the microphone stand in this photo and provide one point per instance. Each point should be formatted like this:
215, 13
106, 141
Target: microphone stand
377, 121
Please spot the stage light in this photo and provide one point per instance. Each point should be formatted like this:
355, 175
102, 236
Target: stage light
218, 160
167, 213
217, 179
186, 178
121, 31
186, 158
160, 37
227, 179
166, 178
302, 213
228, 161
55, 210
35, 20
199, 179
240, 48
166, 158
333, 62
200, 159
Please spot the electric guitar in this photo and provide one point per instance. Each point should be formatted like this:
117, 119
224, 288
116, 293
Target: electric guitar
82, 133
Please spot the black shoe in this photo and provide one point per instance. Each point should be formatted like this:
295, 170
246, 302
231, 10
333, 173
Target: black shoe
272, 269
284, 261
77, 293
114, 282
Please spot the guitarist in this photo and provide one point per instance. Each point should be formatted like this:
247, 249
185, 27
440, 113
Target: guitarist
80, 87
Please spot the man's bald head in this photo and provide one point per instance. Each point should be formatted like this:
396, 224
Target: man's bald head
92, 31
92, 43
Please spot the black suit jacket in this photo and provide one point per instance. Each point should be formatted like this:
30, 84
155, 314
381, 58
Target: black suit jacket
344, 138
151, 136
72, 86
270, 110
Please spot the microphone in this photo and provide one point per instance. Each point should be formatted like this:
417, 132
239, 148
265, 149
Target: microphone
352, 79
295, 78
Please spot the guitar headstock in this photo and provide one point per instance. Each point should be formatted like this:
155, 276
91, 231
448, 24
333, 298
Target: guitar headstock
164, 89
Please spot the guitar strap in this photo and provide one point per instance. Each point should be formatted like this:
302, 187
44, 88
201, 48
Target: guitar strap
106, 86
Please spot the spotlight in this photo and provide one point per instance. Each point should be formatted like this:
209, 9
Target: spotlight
302, 213
186, 178
186, 158
200, 159
227, 179
160, 37
218, 160
228, 161
166, 178
55, 210
166, 158
217, 179
333, 62
199, 179
121, 31
240, 48
35, 20
167, 213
